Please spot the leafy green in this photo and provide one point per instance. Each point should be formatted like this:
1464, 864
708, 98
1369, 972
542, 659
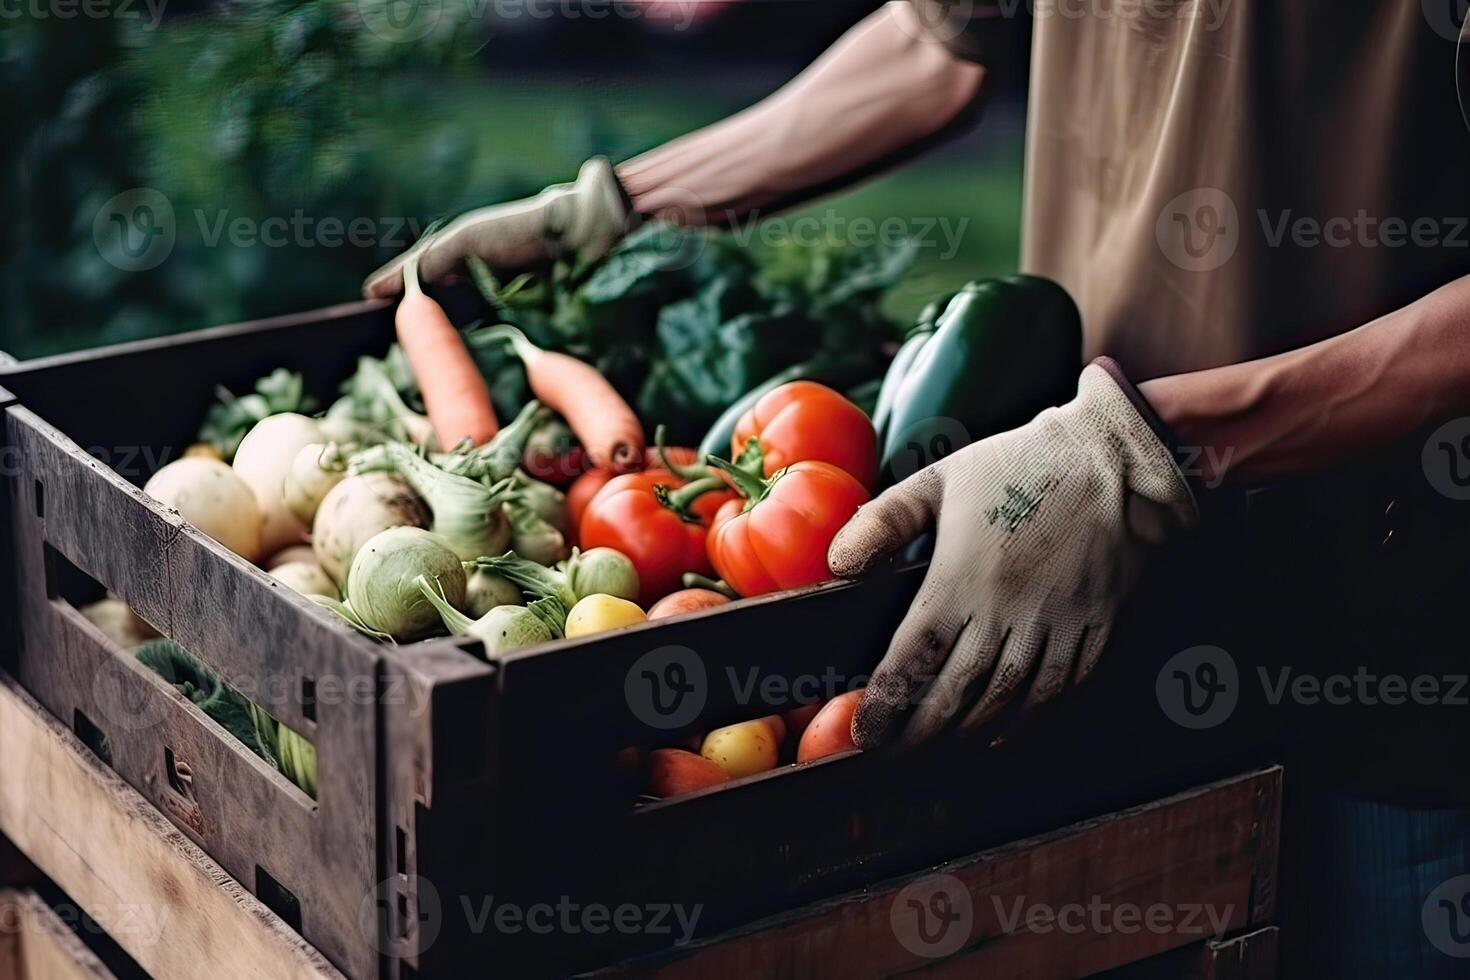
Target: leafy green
203, 686
684, 321
248, 722
231, 416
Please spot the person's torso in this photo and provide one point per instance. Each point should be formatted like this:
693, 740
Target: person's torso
1217, 180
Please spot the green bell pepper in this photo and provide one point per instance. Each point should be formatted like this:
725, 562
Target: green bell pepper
898, 368
1004, 349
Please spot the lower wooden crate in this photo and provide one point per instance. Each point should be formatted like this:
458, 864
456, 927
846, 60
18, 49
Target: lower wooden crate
116, 856
1174, 875
1207, 856
36, 945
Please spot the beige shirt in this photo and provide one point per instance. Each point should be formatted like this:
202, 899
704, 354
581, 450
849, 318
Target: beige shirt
1217, 180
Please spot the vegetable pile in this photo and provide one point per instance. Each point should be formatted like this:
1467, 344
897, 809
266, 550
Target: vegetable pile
408, 510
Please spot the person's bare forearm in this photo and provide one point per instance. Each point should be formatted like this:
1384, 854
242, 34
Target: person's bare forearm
1327, 402
878, 90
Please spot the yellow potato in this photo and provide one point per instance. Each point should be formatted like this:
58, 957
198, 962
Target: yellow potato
599, 612
742, 750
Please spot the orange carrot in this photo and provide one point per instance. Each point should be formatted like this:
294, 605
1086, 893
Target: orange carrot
455, 395
603, 423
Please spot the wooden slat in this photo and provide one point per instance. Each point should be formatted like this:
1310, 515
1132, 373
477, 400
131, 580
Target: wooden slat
1201, 849
42, 947
115, 855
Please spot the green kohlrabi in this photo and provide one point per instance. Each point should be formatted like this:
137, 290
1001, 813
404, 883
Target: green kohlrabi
381, 598
503, 628
467, 515
605, 571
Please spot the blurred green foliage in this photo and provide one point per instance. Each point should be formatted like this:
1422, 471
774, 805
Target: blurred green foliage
281, 117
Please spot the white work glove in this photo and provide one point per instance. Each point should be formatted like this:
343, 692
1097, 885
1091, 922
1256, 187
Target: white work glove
585, 218
1041, 532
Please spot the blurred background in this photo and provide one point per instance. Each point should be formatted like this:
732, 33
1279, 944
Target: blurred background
352, 123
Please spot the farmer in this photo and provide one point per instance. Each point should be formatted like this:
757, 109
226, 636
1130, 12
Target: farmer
1260, 208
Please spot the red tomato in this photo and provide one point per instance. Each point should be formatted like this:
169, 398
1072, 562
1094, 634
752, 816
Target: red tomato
627, 515
585, 487
805, 420
781, 541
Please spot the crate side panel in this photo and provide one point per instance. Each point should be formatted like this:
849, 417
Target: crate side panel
260, 639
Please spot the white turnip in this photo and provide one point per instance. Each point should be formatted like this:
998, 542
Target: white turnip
262, 461
213, 498
355, 510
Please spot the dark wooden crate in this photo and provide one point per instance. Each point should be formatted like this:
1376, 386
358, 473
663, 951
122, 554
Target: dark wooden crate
458, 779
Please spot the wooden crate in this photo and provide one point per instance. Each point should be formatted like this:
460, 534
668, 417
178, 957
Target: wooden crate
446, 779
1208, 857
1212, 847
36, 945
112, 853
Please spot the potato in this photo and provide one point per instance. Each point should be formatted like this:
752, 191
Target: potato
672, 772
744, 749
830, 732
597, 612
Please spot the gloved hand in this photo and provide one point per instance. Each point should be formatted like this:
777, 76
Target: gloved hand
1041, 531
586, 218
